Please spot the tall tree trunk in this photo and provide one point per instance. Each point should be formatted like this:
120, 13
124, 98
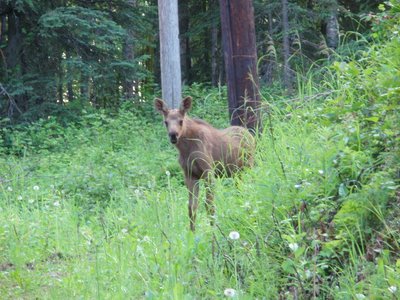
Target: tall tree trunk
214, 45
128, 51
60, 85
184, 40
239, 42
130, 86
84, 88
2, 28
13, 49
169, 52
287, 76
70, 78
332, 26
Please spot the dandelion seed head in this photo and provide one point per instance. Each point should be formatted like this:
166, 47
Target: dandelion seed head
9, 189
234, 235
56, 203
230, 293
124, 230
297, 186
19, 197
36, 188
167, 173
293, 246
360, 296
321, 172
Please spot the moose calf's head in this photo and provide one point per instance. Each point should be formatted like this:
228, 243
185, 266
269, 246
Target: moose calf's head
174, 119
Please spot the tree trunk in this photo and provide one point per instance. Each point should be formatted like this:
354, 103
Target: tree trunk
13, 48
287, 76
332, 26
184, 40
169, 52
239, 43
84, 87
214, 46
2, 28
70, 78
128, 50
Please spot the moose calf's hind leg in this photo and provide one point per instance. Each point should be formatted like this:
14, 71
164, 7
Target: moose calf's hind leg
193, 187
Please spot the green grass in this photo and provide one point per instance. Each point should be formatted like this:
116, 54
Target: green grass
100, 218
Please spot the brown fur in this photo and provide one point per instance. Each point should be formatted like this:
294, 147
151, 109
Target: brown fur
205, 151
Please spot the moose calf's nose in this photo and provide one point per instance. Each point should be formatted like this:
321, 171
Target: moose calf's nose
173, 138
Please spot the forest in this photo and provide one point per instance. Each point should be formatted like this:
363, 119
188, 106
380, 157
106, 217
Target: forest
93, 203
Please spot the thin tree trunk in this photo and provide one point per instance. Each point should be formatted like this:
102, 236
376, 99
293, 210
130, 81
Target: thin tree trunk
70, 77
214, 46
184, 40
287, 78
14, 41
128, 50
332, 26
84, 87
2, 28
169, 52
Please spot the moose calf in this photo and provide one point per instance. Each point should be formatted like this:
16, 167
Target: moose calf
205, 151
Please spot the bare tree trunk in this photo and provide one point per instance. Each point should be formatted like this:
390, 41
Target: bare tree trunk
84, 87
2, 28
184, 40
214, 46
128, 51
70, 88
13, 49
169, 52
332, 26
239, 42
287, 76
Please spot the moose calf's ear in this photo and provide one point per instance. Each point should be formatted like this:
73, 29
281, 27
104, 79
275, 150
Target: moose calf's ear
160, 106
186, 105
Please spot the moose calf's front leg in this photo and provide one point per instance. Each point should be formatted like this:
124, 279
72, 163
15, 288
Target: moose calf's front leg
193, 187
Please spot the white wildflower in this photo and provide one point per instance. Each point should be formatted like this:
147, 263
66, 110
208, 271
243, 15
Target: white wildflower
146, 239
124, 230
19, 197
360, 296
9, 189
36, 188
392, 289
297, 186
321, 172
56, 203
230, 292
234, 235
30, 201
309, 274
167, 173
293, 246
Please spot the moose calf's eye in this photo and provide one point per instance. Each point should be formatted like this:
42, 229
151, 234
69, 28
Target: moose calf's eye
180, 123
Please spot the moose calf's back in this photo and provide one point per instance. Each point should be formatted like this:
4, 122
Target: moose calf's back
203, 148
